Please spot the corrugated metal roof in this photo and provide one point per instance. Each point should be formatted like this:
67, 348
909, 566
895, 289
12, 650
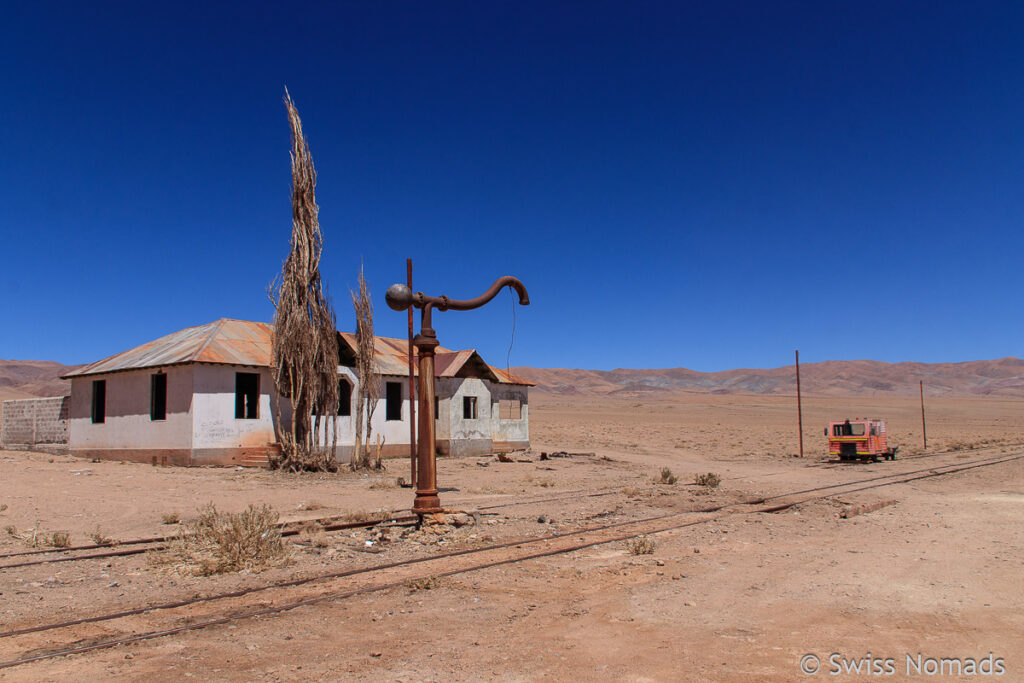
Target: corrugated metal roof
242, 342
237, 342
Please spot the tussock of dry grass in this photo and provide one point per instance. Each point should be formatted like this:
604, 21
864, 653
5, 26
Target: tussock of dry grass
59, 539
170, 518
709, 480
98, 538
313, 536
425, 584
641, 545
219, 542
365, 516
667, 477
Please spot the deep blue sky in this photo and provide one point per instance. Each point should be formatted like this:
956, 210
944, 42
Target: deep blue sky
707, 185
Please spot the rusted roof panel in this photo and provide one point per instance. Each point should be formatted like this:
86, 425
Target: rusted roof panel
241, 342
508, 378
237, 342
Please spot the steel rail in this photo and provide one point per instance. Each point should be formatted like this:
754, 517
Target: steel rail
394, 517
520, 542
390, 585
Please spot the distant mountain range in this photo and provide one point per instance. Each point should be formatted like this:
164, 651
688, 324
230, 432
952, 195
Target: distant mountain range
33, 378
1003, 377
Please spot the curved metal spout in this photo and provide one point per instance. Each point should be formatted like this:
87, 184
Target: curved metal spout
444, 303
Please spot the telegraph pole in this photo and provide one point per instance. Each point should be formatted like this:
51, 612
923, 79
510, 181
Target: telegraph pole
924, 433
799, 405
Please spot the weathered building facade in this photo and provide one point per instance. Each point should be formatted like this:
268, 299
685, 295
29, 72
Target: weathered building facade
205, 396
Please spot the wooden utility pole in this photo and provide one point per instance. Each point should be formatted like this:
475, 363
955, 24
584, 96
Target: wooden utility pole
799, 405
924, 433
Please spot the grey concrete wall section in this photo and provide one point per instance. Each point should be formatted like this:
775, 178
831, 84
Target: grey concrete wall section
32, 422
510, 430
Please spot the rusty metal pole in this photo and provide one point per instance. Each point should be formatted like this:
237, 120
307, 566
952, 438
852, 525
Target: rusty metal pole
924, 432
401, 298
427, 500
799, 405
412, 387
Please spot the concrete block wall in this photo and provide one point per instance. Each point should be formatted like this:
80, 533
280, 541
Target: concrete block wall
35, 422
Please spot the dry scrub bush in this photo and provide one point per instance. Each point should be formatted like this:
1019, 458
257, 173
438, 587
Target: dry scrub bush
313, 536
3, 506
641, 545
380, 484
667, 477
219, 542
98, 538
170, 518
709, 480
425, 584
59, 539
365, 516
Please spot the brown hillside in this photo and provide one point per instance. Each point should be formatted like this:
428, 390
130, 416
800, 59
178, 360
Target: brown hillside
33, 378
1002, 377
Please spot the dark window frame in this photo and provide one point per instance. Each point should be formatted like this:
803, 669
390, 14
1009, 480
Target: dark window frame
158, 397
393, 401
247, 395
344, 398
470, 409
99, 401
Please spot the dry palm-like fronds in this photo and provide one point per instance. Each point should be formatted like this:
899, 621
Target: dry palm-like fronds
369, 376
305, 342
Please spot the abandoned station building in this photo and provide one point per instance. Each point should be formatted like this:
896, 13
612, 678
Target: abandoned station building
205, 396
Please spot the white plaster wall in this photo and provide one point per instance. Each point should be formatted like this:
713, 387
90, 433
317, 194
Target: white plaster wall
127, 423
213, 404
392, 432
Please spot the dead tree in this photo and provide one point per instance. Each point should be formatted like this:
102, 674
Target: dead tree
369, 376
304, 349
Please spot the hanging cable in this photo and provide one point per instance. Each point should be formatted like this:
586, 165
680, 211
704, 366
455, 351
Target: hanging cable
512, 340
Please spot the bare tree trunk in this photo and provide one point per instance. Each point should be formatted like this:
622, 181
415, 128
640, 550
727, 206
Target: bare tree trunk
369, 375
304, 353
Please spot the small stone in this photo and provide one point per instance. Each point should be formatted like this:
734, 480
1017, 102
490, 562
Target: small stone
543, 519
660, 563
689, 604
376, 654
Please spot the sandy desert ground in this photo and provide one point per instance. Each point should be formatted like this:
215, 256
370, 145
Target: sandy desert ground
742, 597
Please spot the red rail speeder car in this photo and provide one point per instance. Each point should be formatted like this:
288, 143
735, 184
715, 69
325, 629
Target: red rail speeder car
859, 438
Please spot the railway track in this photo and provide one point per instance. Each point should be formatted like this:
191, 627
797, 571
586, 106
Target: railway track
287, 529
116, 549
377, 578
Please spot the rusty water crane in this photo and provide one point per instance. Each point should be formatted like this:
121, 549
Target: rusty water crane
400, 298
